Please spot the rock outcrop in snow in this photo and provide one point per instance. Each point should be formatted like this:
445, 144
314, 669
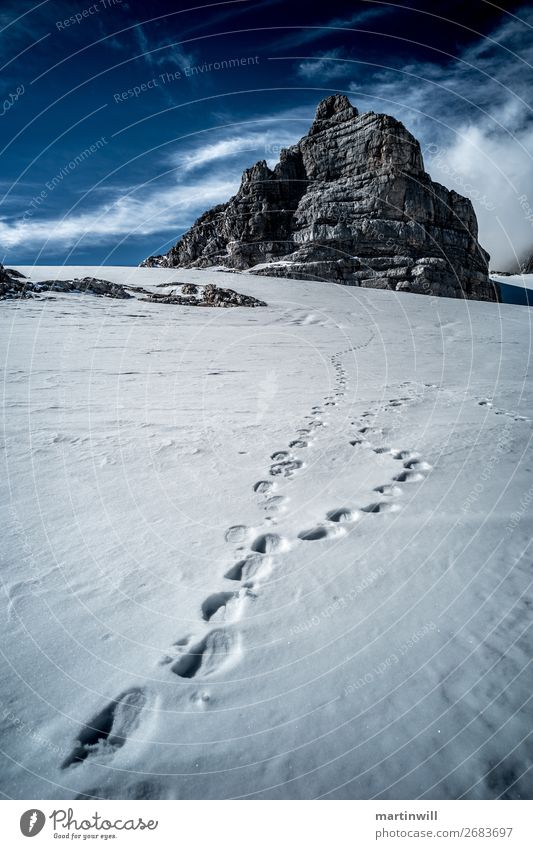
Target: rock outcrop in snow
349, 203
209, 295
15, 285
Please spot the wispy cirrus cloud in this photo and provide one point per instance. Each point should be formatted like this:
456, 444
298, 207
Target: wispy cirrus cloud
148, 211
159, 53
325, 67
473, 117
309, 35
246, 147
141, 213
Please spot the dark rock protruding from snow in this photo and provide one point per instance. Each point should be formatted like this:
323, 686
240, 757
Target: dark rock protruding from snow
14, 285
350, 203
209, 296
89, 285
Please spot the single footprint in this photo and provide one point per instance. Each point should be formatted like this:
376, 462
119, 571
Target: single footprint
286, 468
381, 450
403, 455
280, 455
389, 489
341, 514
263, 486
255, 567
417, 465
217, 604
319, 532
298, 443
237, 533
381, 507
109, 729
274, 502
268, 543
216, 651
408, 477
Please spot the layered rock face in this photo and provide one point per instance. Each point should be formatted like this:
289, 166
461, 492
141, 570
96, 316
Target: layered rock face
527, 266
350, 203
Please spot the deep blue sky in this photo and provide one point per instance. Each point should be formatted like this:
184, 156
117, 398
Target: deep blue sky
458, 74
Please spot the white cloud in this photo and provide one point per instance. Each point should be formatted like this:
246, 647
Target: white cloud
325, 67
307, 35
158, 54
473, 119
255, 145
145, 212
154, 212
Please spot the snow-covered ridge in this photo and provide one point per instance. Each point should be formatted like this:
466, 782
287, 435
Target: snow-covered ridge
271, 553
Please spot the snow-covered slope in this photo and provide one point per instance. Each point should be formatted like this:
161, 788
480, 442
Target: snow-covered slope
268, 553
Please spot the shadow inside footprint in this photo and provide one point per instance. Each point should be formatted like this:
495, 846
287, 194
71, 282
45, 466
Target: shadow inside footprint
417, 465
409, 477
402, 455
263, 486
320, 532
267, 543
214, 602
110, 728
253, 567
341, 514
388, 489
207, 656
381, 507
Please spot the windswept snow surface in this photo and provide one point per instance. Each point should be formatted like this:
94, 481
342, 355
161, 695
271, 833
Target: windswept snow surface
265, 553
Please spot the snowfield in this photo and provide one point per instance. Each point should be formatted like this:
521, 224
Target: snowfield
265, 553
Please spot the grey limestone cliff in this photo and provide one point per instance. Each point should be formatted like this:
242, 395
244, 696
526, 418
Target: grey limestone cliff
349, 203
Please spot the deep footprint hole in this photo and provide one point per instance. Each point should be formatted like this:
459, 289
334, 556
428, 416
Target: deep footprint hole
314, 534
341, 514
214, 602
266, 543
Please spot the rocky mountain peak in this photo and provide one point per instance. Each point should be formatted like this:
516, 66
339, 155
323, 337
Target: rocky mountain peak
335, 109
349, 203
